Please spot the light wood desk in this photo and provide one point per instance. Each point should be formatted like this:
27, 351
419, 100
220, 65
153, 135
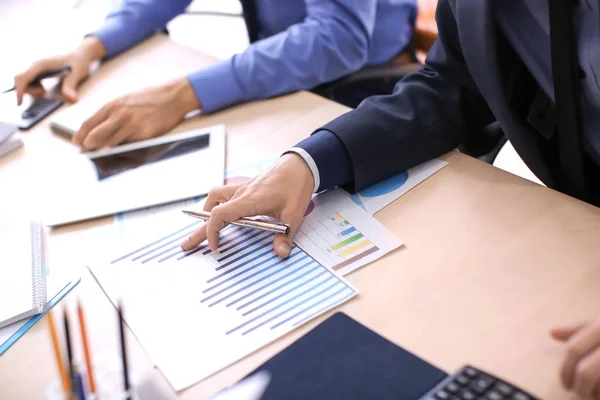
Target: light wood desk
491, 261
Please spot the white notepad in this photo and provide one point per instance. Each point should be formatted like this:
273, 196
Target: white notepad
23, 282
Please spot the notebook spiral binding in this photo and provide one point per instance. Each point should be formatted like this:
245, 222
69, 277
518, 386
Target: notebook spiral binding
37, 265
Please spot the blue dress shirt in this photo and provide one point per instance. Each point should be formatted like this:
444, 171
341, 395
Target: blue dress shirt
304, 43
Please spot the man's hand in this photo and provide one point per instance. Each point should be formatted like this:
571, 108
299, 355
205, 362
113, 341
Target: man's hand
580, 370
138, 116
80, 61
282, 192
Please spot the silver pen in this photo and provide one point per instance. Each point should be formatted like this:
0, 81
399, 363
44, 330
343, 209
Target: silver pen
262, 224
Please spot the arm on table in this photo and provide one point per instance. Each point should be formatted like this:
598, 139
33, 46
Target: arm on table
430, 112
332, 41
135, 20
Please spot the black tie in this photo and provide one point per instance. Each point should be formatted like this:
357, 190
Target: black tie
251, 18
565, 75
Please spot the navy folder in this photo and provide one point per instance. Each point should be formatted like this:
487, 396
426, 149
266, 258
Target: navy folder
342, 359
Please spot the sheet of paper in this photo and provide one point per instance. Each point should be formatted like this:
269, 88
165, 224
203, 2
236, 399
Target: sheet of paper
197, 312
17, 288
340, 235
378, 196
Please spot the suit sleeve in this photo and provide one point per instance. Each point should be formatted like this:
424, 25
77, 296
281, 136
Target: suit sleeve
430, 112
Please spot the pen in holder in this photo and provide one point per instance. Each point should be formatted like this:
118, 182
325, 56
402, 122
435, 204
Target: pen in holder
109, 381
105, 376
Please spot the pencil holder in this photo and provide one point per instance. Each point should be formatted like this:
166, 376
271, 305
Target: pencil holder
108, 376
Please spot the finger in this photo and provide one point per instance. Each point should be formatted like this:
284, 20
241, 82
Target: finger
218, 195
564, 333
99, 135
596, 395
35, 90
579, 345
69, 85
120, 136
587, 375
90, 124
194, 239
283, 243
22, 81
223, 214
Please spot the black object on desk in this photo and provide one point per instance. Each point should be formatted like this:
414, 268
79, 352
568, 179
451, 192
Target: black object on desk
470, 383
38, 110
342, 359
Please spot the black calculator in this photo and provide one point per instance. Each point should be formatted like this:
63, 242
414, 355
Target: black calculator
38, 110
470, 383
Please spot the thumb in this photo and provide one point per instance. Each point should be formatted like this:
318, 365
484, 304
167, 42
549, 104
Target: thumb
283, 243
69, 86
564, 333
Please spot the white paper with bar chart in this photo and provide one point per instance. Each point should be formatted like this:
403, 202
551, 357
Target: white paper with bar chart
197, 312
340, 235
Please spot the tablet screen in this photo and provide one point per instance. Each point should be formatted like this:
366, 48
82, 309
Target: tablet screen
113, 164
131, 176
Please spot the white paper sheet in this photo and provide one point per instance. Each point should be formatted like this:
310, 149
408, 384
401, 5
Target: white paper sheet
197, 312
340, 235
378, 196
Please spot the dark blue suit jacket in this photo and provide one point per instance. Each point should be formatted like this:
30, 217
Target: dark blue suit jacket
461, 89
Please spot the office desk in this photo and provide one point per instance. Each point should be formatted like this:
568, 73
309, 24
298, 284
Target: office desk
491, 261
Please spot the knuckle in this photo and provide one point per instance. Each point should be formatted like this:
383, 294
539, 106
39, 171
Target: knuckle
574, 352
217, 213
144, 132
212, 193
585, 372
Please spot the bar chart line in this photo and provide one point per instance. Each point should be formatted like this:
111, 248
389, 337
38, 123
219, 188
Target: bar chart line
255, 282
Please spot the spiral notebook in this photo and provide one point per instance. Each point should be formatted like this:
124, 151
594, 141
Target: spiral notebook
23, 282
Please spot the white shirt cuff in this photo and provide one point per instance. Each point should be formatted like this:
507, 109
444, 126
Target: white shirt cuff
311, 164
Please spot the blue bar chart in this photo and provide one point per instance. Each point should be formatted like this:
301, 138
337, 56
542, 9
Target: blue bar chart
237, 299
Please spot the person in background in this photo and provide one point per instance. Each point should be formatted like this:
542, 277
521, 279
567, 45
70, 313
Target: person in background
301, 44
493, 62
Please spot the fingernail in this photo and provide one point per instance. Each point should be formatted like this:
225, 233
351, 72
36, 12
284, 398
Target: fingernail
284, 249
185, 244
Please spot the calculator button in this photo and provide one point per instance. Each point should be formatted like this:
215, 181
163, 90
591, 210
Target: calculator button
468, 395
520, 396
470, 372
442, 395
493, 395
480, 385
462, 380
452, 388
503, 389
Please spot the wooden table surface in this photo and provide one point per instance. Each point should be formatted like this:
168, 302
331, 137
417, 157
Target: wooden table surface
491, 261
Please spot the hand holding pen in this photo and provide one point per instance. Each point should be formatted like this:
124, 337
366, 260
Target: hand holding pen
79, 62
283, 191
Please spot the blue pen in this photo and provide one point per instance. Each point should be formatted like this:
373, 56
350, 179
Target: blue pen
80, 385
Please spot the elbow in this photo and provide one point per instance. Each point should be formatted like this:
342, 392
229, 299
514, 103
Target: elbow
349, 53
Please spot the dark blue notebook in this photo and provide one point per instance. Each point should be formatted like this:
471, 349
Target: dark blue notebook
342, 359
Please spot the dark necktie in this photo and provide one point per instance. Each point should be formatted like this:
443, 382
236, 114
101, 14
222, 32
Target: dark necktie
565, 74
251, 18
